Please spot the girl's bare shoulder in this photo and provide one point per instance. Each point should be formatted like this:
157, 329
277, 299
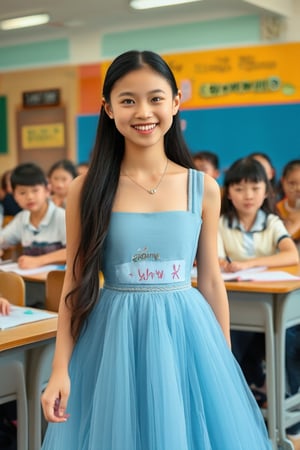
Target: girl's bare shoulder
76, 185
211, 187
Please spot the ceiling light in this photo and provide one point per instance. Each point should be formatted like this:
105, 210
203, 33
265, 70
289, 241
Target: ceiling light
147, 4
23, 22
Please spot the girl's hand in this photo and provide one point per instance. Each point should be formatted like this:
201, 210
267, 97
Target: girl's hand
4, 306
55, 397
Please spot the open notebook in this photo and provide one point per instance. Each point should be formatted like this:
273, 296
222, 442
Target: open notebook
13, 267
20, 315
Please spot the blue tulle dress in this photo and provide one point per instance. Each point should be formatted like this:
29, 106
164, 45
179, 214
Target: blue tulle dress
152, 370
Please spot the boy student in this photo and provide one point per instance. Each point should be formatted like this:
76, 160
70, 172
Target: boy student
40, 226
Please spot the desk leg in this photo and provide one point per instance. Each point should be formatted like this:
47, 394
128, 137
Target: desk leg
251, 314
38, 372
287, 315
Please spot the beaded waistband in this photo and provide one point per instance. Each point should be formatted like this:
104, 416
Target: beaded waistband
153, 288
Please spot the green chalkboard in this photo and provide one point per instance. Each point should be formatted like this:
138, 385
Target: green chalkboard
3, 125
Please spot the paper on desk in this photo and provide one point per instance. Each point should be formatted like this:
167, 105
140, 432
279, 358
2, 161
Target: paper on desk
269, 275
241, 274
245, 274
20, 315
13, 267
255, 274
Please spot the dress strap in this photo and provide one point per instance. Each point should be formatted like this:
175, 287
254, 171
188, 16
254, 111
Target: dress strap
196, 189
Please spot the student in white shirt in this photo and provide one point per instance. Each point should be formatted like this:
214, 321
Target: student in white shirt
251, 235
40, 226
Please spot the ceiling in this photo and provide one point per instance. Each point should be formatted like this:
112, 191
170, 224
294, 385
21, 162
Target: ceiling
82, 16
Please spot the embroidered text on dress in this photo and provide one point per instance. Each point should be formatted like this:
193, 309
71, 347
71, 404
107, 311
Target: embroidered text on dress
143, 254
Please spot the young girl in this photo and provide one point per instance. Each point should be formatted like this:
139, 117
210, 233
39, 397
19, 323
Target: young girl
289, 206
251, 235
146, 364
60, 176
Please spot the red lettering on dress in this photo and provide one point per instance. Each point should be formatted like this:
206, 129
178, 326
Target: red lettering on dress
144, 276
175, 273
160, 274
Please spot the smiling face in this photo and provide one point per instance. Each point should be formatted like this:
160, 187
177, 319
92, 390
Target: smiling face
142, 106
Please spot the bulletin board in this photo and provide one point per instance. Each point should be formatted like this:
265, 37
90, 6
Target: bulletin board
234, 101
42, 135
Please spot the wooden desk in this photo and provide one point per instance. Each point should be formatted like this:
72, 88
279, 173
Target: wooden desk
270, 307
32, 344
28, 334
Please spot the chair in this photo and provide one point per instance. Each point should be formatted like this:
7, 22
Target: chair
54, 285
12, 287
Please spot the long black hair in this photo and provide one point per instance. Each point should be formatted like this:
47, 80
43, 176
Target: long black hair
245, 169
102, 180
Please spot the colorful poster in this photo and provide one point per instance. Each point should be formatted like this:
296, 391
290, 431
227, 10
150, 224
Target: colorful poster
236, 76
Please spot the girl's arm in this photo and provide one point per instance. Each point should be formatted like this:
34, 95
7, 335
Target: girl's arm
59, 383
287, 255
209, 280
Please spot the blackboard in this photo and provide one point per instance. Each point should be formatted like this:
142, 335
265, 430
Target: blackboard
3, 125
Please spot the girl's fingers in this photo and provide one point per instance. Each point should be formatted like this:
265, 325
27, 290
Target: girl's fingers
54, 411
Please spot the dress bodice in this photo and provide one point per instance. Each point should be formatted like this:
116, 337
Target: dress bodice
154, 248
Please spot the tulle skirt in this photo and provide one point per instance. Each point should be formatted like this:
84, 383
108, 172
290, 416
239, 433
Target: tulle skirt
152, 371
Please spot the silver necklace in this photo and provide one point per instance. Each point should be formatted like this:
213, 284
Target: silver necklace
153, 190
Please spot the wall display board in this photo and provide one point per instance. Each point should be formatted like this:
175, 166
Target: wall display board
41, 135
239, 100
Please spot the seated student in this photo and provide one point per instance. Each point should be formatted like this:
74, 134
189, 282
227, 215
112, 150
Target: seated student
251, 235
40, 227
289, 206
289, 210
60, 176
207, 162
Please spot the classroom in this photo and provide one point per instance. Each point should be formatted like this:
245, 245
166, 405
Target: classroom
236, 64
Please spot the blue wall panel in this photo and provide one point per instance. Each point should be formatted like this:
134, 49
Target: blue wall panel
229, 132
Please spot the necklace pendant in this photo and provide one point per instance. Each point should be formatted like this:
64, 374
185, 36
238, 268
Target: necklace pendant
152, 191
